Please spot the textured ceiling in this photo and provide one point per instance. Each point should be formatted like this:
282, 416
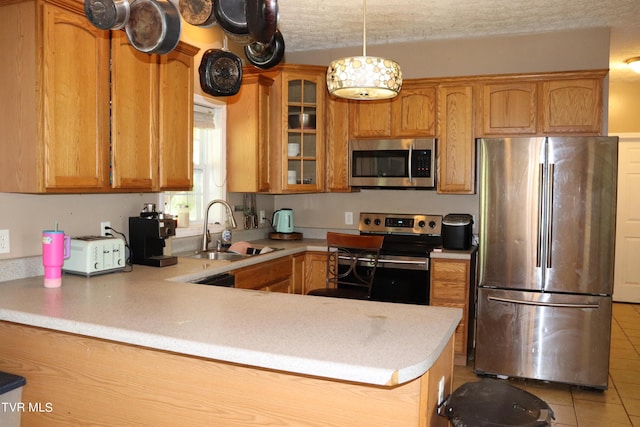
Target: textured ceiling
322, 24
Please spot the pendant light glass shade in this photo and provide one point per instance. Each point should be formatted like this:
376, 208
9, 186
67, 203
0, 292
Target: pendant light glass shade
364, 77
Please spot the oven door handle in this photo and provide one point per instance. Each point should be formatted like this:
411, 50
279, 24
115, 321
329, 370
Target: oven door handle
406, 262
388, 261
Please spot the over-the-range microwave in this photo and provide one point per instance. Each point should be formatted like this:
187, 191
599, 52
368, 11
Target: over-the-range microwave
392, 163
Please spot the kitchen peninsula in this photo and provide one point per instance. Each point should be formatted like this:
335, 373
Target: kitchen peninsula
145, 348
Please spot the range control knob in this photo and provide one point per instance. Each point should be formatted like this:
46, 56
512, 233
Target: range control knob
377, 221
421, 224
367, 221
432, 224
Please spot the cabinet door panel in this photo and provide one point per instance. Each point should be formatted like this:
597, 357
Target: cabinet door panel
248, 115
413, 112
176, 121
303, 93
572, 106
456, 145
76, 102
337, 145
509, 108
134, 118
370, 118
315, 271
265, 274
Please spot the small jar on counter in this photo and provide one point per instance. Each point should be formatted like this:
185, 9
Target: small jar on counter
183, 216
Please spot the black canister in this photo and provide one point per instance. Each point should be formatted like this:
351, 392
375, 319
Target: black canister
457, 231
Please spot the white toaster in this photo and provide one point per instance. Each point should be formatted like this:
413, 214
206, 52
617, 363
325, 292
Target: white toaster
93, 255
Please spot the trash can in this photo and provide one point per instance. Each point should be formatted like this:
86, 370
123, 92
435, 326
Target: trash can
493, 403
11, 399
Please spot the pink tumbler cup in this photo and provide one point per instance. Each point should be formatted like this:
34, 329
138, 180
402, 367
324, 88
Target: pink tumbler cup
55, 249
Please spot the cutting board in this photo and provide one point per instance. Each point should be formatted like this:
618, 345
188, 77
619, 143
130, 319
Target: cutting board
285, 236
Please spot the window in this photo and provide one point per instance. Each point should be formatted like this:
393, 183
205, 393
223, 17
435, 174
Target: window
209, 169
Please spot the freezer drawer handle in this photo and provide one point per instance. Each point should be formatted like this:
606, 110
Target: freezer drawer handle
543, 304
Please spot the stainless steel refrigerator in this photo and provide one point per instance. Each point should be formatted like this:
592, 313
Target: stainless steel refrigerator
546, 257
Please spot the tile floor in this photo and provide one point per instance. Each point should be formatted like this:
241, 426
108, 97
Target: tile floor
617, 406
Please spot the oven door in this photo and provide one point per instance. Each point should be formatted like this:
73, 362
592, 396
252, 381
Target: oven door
400, 279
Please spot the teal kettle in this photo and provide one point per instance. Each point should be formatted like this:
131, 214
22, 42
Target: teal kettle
283, 221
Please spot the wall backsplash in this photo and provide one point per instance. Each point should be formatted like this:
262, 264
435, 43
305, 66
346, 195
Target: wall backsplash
327, 210
26, 215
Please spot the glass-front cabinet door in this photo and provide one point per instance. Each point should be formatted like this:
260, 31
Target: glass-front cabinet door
303, 148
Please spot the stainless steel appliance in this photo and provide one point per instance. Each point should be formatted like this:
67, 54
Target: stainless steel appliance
395, 163
402, 274
94, 255
547, 229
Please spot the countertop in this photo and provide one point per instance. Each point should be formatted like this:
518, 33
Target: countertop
362, 341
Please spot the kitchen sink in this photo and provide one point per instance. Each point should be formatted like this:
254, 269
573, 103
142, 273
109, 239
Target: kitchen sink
226, 256
222, 256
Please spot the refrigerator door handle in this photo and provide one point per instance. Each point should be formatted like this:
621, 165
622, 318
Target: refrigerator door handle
549, 214
542, 303
540, 211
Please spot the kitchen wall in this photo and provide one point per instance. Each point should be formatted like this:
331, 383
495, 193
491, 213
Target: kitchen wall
624, 108
557, 51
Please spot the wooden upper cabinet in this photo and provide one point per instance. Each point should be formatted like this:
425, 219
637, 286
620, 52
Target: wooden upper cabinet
337, 144
134, 93
259, 133
410, 114
55, 99
58, 110
572, 106
248, 118
76, 116
152, 117
413, 111
175, 103
301, 90
548, 104
509, 108
370, 119
456, 145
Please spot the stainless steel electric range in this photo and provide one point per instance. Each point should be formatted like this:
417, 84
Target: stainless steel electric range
402, 274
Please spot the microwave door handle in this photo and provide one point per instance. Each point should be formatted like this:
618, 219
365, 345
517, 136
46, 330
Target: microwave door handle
410, 163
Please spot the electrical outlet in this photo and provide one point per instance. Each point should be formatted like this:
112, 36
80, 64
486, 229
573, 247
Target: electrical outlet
263, 217
103, 228
5, 247
348, 218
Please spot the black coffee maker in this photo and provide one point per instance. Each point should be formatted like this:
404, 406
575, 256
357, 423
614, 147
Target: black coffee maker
148, 233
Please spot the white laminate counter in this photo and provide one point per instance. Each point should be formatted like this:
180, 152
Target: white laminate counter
361, 341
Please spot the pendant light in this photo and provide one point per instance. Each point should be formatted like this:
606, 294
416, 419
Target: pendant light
634, 63
364, 77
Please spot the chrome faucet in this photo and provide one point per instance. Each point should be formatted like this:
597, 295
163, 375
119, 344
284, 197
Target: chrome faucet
205, 232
